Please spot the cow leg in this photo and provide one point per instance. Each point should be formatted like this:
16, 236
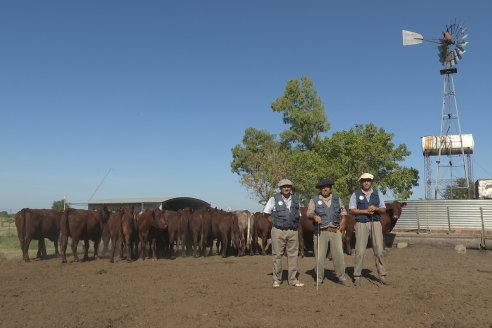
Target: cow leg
86, 250
154, 249
142, 249
183, 242
25, 249
348, 247
143, 245
105, 239
113, 249
301, 241
75, 242
263, 245
172, 236
63, 245
224, 246
41, 249
218, 247
55, 243
96, 248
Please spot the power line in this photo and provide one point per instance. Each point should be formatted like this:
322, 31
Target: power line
100, 183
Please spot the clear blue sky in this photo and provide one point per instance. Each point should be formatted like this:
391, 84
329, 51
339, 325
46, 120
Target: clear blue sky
160, 91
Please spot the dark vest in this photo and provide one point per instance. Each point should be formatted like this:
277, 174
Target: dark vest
282, 218
363, 204
330, 216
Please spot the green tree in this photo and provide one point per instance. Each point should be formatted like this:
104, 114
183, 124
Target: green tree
458, 190
304, 157
365, 148
304, 112
60, 205
261, 162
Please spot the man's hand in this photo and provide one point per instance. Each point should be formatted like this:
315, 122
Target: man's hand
342, 226
317, 219
372, 209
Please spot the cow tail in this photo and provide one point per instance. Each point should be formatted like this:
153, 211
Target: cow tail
21, 229
64, 223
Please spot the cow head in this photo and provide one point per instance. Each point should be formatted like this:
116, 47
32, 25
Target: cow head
394, 209
160, 220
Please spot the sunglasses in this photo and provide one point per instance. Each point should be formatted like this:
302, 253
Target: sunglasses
366, 180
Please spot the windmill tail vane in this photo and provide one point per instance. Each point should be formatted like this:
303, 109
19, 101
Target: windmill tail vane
451, 46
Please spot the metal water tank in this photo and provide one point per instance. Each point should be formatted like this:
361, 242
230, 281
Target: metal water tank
449, 145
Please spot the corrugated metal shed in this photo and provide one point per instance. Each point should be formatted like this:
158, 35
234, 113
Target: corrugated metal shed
168, 203
439, 215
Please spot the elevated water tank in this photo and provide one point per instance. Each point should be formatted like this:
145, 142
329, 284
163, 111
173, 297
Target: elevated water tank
449, 145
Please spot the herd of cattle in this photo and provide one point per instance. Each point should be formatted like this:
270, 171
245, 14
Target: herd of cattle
190, 232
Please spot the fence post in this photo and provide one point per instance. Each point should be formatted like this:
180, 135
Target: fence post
418, 221
449, 220
482, 237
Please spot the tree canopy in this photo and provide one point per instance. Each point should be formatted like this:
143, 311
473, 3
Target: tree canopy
60, 205
303, 156
458, 190
304, 111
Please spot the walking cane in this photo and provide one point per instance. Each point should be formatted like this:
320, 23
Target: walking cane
317, 257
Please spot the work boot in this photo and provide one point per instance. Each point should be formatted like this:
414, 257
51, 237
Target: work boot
357, 281
383, 280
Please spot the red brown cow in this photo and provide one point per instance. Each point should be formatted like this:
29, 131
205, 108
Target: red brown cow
200, 229
173, 230
263, 230
129, 235
185, 236
37, 224
82, 225
149, 222
388, 222
225, 228
306, 233
114, 230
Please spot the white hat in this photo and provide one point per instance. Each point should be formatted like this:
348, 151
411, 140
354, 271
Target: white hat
284, 182
366, 176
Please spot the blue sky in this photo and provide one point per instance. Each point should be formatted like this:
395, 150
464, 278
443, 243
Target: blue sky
158, 92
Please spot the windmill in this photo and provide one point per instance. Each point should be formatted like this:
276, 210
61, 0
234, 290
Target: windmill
452, 148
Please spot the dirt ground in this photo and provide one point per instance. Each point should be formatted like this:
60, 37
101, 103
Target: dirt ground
430, 287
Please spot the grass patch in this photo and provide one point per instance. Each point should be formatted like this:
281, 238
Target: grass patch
10, 247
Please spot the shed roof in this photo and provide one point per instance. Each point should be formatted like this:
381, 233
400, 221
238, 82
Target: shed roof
173, 203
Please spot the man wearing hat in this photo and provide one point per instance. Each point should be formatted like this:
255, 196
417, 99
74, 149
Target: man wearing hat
286, 212
328, 215
367, 206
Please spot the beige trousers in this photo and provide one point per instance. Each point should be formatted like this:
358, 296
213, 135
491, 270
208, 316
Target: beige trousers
363, 231
285, 240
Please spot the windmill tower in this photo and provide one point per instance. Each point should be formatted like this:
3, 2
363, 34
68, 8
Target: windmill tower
451, 148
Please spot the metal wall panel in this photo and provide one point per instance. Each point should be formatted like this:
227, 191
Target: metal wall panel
446, 214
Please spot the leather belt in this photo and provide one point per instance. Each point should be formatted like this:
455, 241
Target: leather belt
285, 228
330, 229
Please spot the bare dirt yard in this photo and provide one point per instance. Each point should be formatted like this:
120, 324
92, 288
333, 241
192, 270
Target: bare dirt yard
430, 287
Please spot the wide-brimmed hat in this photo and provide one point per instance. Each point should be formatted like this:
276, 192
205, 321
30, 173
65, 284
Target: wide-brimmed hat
284, 182
366, 176
324, 182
